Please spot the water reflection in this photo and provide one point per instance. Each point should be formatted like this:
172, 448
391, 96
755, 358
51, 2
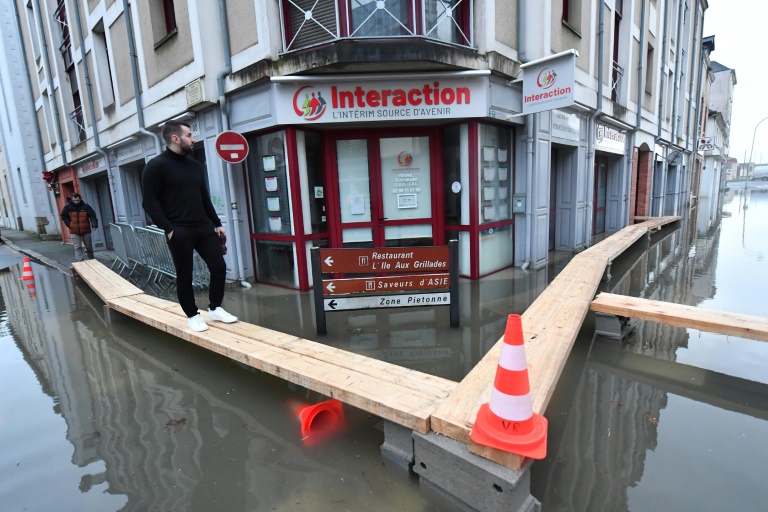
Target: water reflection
670, 418
143, 422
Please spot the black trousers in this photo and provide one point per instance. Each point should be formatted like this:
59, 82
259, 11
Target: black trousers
205, 241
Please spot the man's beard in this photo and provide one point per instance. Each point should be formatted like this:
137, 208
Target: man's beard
187, 150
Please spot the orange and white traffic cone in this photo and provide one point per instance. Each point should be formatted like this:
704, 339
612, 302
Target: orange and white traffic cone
319, 420
508, 422
28, 276
26, 270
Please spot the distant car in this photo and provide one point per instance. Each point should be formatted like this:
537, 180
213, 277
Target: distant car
761, 173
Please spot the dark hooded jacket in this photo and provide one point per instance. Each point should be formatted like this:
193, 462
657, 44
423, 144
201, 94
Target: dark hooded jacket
79, 218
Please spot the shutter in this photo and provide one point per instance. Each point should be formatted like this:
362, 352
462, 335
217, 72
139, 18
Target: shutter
311, 33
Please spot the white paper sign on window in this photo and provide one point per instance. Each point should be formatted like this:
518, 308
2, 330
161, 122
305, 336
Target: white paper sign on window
406, 201
357, 204
270, 184
273, 204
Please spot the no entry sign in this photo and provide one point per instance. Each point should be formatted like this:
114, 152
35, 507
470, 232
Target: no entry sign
231, 147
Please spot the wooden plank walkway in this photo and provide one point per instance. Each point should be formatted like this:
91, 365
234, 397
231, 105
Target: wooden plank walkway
403, 396
721, 322
550, 326
406, 397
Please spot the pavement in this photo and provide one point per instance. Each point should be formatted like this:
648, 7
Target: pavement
54, 253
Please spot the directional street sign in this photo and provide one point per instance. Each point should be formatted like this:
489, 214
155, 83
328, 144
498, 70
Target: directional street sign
413, 282
387, 301
231, 147
359, 261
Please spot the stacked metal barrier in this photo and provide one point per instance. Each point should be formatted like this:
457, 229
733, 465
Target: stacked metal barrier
120, 251
152, 245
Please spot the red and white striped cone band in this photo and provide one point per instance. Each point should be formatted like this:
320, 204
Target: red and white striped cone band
511, 395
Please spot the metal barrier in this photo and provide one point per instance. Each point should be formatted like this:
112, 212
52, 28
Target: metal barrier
120, 252
153, 245
131, 246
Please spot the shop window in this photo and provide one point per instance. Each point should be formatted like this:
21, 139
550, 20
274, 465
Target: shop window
275, 262
494, 172
269, 185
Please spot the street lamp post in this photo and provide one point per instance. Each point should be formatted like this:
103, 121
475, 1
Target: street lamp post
749, 164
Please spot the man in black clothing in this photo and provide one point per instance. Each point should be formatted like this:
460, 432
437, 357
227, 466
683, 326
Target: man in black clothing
177, 200
81, 220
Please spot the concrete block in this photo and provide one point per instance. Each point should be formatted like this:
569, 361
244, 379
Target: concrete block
612, 326
398, 445
470, 481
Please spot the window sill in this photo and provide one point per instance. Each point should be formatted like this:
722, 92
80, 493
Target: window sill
165, 38
572, 28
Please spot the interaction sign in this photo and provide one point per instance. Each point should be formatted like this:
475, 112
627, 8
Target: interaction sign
342, 101
425, 276
549, 83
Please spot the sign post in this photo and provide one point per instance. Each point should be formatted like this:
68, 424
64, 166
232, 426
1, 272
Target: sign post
231, 147
405, 289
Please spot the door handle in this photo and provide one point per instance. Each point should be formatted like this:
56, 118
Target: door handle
381, 221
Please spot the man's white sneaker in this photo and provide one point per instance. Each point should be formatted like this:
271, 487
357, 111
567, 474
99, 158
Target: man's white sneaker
220, 315
197, 324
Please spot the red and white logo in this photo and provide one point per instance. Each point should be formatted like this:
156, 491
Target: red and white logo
546, 78
231, 147
404, 158
308, 103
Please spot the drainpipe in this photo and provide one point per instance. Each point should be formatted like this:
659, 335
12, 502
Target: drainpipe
592, 125
528, 138
51, 210
696, 37
663, 73
698, 99
678, 53
135, 73
662, 183
529, 131
638, 119
47, 62
521, 56
233, 214
89, 91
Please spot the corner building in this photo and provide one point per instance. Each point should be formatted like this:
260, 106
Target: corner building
382, 124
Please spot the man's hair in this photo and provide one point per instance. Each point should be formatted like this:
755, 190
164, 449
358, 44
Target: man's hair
76, 195
172, 128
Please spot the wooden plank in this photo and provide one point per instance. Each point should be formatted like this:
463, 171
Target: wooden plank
550, 326
309, 364
106, 283
405, 377
679, 315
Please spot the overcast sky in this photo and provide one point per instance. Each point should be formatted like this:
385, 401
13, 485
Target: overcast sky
740, 28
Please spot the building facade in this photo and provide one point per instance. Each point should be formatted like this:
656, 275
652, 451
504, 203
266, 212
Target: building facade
375, 124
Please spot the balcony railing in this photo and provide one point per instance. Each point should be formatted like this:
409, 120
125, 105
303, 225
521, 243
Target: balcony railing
78, 123
618, 74
308, 23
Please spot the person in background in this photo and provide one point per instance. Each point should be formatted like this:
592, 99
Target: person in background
81, 220
177, 200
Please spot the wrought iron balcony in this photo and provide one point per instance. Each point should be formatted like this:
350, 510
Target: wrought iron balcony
618, 74
308, 23
78, 123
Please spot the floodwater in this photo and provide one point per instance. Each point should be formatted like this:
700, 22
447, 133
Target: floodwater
98, 418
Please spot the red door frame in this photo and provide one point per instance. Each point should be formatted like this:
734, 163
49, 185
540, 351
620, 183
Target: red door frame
377, 223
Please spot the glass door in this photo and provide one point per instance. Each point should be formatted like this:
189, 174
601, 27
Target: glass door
385, 191
406, 191
601, 175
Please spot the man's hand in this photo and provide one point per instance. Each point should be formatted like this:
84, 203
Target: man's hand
170, 235
221, 231
93, 228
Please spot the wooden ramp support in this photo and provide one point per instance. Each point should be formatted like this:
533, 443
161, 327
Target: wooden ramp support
405, 397
721, 322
